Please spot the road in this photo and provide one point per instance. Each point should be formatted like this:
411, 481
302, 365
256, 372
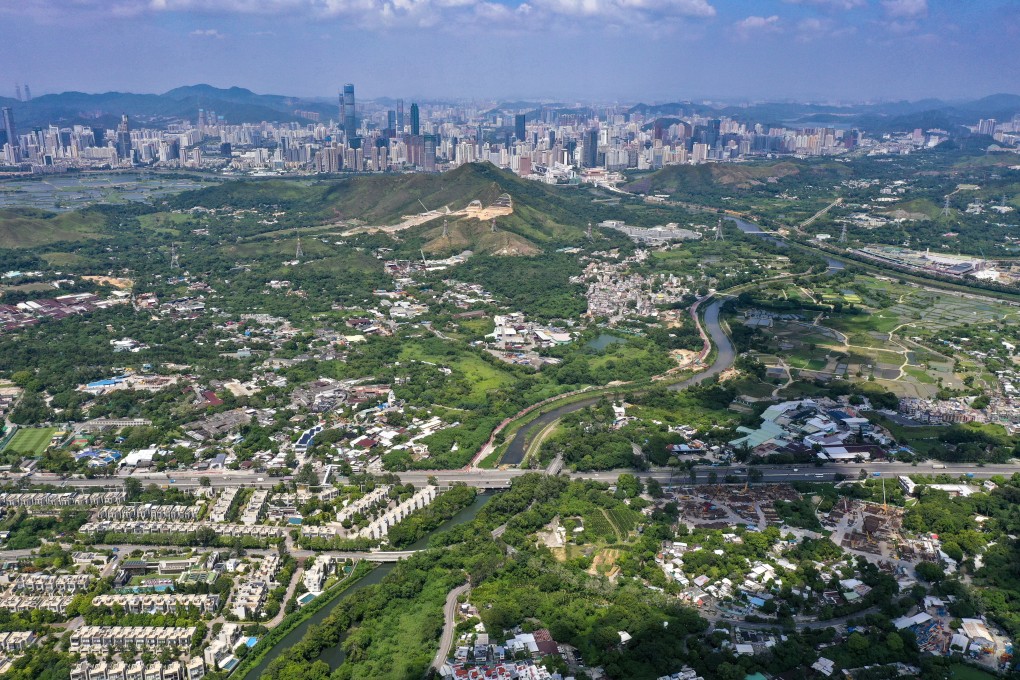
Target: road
449, 613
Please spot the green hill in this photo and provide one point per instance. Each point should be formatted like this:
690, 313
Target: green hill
542, 215
690, 179
28, 227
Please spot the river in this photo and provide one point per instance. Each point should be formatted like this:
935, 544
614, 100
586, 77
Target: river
724, 359
334, 656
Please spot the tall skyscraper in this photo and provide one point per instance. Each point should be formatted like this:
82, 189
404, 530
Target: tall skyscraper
415, 120
350, 116
520, 127
28, 93
391, 120
400, 116
17, 92
123, 138
8, 127
591, 148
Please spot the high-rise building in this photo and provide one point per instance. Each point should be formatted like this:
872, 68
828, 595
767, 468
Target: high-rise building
391, 121
415, 120
123, 138
400, 116
350, 116
520, 127
430, 143
17, 92
28, 93
11, 136
591, 148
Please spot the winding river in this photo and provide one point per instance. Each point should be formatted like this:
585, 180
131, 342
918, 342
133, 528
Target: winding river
723, 360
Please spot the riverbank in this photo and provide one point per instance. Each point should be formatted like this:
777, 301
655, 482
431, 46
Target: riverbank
257, 658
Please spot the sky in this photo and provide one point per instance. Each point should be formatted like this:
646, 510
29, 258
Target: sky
563, 50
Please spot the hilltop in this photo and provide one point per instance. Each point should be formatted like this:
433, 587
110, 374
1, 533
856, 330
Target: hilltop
677, 179
29, 227
541, 215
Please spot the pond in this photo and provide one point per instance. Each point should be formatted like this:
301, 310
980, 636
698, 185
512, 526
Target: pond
605, 340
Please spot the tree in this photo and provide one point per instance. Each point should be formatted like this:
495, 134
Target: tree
132, 489
204, 482
306, 475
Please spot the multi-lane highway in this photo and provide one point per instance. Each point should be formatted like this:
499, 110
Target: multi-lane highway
494, 479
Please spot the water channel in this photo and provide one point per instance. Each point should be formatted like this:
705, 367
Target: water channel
334, 656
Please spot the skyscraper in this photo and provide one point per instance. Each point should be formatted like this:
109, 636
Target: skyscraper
17, 92
400, 116
519, 127
11, 136
123, 138
391, 121
28, 93
591, 148
350, 117
415, 120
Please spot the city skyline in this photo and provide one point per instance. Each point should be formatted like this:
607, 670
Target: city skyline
606, 50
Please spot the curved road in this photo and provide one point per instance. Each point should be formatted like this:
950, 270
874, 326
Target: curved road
723, 360
449, 626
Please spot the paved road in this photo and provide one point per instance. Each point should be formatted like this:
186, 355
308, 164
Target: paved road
291, 587
449, 612
495, 479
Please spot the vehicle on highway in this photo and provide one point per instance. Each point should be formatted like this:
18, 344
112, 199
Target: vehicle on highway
261, 479
796, 469
876, 474
938, 466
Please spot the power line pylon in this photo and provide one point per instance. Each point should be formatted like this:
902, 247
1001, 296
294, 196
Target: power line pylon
842, 234
298, 252
945, 208
493, 225
588, 233
719, 230
446, 228
174, 256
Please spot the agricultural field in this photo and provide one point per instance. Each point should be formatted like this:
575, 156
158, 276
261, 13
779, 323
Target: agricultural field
62, 194
868, 328
31, 441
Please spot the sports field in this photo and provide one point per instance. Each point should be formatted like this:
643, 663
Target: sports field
32, 441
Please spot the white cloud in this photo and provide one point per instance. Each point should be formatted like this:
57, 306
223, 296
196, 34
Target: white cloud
207, 33
905, 9
757, 25
493, 14
831, 4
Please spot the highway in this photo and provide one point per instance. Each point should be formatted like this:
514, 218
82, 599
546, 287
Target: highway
496, 479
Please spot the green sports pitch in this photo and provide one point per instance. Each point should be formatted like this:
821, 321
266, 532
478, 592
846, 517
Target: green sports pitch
32, 441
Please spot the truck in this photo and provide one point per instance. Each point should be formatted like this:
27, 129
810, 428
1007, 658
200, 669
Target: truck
938, 466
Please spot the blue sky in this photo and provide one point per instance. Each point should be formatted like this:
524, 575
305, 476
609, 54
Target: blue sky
585, 50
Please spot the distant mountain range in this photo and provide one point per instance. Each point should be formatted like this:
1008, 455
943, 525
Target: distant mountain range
239, 105
884, 117
236, 105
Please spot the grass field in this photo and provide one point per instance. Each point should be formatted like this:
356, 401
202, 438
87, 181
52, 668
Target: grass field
481, 375
29, 228
31, 441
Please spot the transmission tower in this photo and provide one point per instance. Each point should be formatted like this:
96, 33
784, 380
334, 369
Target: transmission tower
493, 225
298, 253
590, 237
446, 229
718, 230
174, 256
842, 235
945, 208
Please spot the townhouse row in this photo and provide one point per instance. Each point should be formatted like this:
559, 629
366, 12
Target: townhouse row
149, 511
102, 638
145, 527
164, 603
70, 498
193, 669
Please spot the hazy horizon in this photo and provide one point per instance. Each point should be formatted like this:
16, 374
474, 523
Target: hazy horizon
564, 50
